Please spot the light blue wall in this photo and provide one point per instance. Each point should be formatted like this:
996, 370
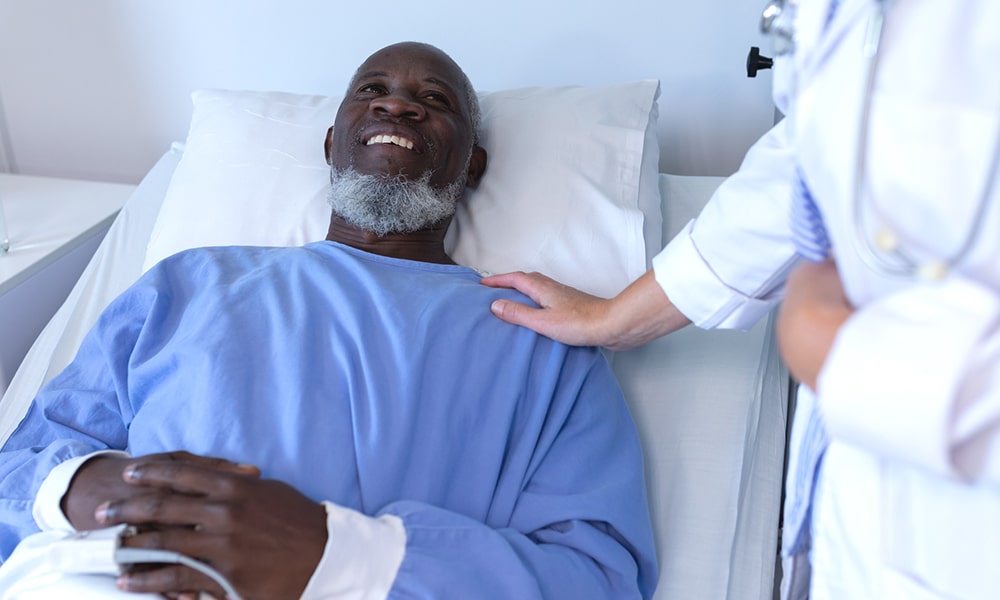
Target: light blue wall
99, 88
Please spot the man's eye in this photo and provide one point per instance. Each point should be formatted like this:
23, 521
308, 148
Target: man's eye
438, 97
371, 88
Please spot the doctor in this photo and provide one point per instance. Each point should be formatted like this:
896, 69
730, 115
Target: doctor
893, 326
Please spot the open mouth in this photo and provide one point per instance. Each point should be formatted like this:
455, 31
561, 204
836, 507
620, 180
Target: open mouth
395, 140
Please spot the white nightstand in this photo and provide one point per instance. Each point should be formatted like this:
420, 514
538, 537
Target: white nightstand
54, 225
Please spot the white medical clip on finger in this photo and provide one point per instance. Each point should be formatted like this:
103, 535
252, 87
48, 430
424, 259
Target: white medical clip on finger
132, 556
100, 552
90, 552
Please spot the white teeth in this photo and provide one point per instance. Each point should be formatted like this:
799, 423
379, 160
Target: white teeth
391, 139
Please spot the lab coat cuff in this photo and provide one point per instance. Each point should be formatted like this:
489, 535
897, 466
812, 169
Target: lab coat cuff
47, 510
892, 380
362, 556
694, 288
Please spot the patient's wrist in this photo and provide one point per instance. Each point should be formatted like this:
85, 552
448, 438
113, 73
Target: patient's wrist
362, 553
47, 510
97, 480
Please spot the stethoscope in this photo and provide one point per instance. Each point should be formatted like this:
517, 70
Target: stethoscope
883, 254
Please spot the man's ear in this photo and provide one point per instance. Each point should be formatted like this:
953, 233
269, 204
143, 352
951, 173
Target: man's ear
477, 166
328, 145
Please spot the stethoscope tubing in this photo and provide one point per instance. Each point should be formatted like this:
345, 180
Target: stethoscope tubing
877, 258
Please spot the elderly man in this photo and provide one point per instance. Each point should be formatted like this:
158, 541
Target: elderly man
373, 431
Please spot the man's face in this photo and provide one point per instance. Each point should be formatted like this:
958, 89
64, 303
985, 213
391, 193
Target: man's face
406, 113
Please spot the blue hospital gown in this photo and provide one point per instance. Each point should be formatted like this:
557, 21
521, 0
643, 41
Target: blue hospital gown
380, 384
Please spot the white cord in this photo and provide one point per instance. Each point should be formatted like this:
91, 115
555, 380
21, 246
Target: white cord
128, 556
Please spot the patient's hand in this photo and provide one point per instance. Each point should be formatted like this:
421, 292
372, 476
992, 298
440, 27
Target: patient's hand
264, 536
101, 479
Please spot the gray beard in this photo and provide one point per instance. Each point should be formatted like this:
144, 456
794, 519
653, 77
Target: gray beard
383, 204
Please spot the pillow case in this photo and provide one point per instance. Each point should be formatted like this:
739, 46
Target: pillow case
570, 187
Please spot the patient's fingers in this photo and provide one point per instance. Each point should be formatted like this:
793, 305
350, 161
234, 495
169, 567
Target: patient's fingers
157, 509
169, 579
102, 478
185, 540
247, 528
192, 542
206, 461
188, 478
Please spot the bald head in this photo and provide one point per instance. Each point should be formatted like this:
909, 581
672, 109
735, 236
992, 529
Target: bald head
471, 98
409, 109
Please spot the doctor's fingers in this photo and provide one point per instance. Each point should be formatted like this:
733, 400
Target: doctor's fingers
566, 314
518, 280
544, 290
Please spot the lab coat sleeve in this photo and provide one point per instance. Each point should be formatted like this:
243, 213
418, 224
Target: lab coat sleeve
726, 269
914, 376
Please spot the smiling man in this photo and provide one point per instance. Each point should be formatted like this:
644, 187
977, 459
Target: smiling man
402, 151
412, 97
372, 431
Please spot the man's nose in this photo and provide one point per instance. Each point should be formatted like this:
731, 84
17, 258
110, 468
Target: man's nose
399, 104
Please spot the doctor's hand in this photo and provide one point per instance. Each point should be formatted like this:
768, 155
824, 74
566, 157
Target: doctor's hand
566, 314
814, 309
639, 314
262, 535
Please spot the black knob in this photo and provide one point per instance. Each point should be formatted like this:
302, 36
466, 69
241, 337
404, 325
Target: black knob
756, 62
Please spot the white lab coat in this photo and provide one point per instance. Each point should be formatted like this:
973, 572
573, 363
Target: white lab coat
907, 503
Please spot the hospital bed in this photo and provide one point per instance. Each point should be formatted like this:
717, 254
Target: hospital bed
588, 207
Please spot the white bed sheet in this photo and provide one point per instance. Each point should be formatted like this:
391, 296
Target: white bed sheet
115, 265
710, 407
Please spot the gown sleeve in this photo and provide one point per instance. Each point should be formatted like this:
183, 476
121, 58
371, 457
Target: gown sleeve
82, 410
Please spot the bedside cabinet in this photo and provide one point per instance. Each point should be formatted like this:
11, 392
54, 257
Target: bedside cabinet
54, 226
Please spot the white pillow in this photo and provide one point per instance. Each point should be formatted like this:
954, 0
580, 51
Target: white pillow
570, 187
